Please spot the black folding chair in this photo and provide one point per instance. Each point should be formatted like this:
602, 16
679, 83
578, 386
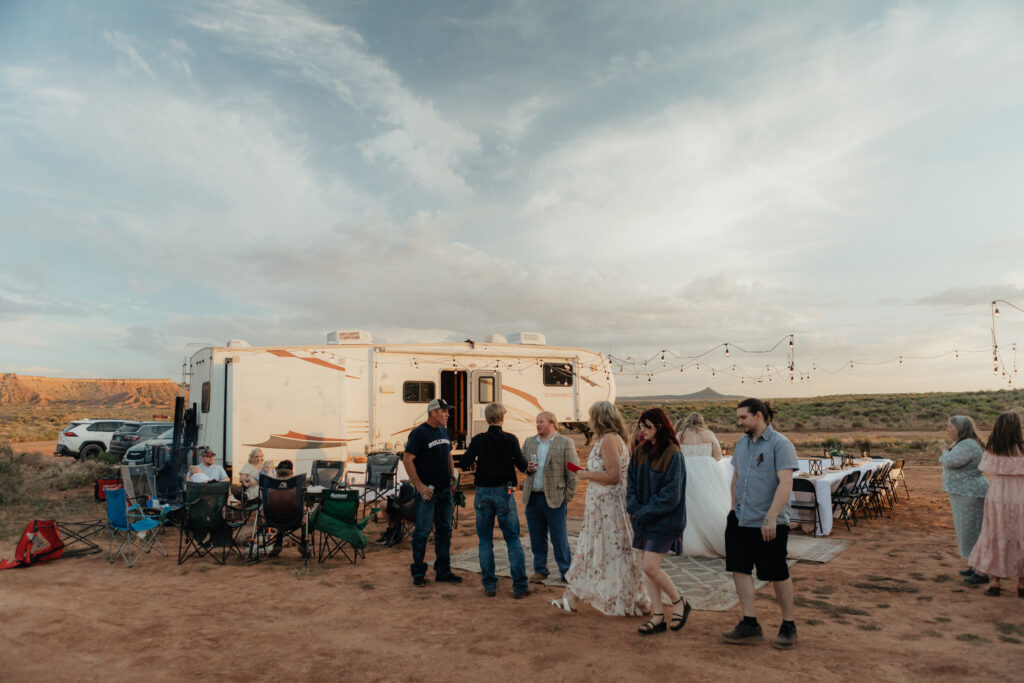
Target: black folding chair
204, 531
806, 498
381, 472
282, 515
845, 497
328, 473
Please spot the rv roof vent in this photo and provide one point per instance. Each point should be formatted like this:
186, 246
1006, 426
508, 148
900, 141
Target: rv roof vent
349, 337
532, 338
495, 339
237, 344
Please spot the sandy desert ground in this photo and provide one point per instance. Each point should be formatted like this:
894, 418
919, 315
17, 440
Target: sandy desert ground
890, 607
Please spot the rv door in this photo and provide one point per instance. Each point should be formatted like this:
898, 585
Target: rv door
486, 388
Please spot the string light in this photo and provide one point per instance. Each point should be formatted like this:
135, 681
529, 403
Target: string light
726, 349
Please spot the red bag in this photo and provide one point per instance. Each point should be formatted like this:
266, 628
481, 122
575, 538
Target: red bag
104, 483
39, 543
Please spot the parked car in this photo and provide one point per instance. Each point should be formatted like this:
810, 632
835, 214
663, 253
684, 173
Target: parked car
137, 453
88, 437
135, 434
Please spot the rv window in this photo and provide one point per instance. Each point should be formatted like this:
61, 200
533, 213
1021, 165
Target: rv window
418, 392
485, 390
206, 397
557, 375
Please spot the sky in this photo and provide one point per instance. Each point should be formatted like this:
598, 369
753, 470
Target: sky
628, 178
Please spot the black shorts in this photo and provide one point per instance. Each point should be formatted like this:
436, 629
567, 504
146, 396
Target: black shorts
745, 549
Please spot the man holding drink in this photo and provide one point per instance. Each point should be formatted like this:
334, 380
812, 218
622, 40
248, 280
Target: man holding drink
547, 489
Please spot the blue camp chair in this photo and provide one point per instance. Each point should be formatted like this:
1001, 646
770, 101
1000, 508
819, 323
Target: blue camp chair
129, 527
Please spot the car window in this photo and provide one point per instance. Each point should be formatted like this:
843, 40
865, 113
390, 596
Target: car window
104, 426
169, 434
129, 429
155, 430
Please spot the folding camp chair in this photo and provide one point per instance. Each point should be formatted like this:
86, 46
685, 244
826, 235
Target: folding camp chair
328, 473
381, 470
130, 528
204, 531
283, 513
806, 500
335, 520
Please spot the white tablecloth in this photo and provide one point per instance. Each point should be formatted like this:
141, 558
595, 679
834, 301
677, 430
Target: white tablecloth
824, 486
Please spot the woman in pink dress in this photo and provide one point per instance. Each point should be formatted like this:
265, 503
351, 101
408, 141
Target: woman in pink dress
999, 551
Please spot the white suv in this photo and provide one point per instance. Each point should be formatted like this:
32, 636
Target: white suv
87, 438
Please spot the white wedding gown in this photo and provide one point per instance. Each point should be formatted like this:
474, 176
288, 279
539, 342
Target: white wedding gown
707, 502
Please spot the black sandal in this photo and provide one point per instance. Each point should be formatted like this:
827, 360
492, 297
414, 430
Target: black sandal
679, 620
649, 627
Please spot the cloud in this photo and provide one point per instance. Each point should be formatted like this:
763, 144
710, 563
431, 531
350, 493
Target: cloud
975, 295
335, 58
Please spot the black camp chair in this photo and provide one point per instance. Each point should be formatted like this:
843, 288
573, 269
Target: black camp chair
282, 515
204, 531
328, 473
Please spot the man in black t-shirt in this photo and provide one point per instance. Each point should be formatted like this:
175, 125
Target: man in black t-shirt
428, 460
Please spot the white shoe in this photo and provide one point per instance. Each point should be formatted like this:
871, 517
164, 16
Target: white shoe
562, 604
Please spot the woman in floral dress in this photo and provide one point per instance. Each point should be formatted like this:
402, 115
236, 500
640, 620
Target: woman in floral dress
605, 570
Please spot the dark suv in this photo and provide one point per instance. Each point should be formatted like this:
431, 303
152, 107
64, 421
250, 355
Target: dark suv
132, 435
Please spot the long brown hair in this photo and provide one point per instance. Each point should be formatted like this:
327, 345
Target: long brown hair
1006, 438
663, 446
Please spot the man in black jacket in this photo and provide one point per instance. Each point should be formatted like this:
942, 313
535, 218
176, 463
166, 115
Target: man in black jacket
497, 457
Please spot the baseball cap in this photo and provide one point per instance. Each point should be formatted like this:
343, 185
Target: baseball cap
438, 404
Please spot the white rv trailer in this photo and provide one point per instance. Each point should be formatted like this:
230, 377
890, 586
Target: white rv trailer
351, 396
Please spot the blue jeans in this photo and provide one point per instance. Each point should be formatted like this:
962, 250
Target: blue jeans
543, 520
495, 502
435, 513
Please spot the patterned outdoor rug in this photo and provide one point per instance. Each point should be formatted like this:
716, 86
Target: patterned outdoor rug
703, 580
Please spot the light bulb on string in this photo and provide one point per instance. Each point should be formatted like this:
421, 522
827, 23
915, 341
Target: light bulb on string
726, 349
698, 367
851, 365
957, 352
712, 372
662, 359
790, 341
901, 361
997, 309
650, 378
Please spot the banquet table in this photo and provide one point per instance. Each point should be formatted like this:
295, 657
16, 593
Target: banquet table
824, 486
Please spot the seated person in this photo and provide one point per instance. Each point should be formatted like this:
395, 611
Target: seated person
284, 469
398, 507
249, 477
196, 476
214, 472
269, 469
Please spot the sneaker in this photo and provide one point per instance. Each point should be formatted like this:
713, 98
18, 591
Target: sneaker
744, 634
449, 578
520, 596
385, 539
537, 577
786, 638
967, 572
976, 580
490, 594
419, 581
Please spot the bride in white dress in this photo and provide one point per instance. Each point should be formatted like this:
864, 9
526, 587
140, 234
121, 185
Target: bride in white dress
707, 491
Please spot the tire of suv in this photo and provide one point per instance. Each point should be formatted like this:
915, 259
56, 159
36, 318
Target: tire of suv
90, 451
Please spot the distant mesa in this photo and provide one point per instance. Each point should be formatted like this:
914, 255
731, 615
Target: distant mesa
705, 394
29, 390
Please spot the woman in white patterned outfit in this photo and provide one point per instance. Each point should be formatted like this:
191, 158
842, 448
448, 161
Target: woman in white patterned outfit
605, 570
708, 498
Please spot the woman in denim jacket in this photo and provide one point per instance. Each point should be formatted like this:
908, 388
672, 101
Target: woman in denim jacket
966, 486
656, 505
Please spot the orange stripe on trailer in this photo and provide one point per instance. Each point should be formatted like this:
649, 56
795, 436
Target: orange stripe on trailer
522, 394
315, 361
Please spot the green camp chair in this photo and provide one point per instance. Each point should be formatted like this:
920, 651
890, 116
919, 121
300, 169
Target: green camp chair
337, 527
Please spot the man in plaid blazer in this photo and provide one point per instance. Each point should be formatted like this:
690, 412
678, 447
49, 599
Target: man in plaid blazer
548, 487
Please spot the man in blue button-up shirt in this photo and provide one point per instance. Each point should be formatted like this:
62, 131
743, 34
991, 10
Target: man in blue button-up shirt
758, 525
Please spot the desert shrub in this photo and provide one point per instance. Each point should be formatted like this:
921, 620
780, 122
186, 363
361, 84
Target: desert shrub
105, 458
10, 476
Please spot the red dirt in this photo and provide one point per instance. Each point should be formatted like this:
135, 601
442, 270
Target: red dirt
84, 618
